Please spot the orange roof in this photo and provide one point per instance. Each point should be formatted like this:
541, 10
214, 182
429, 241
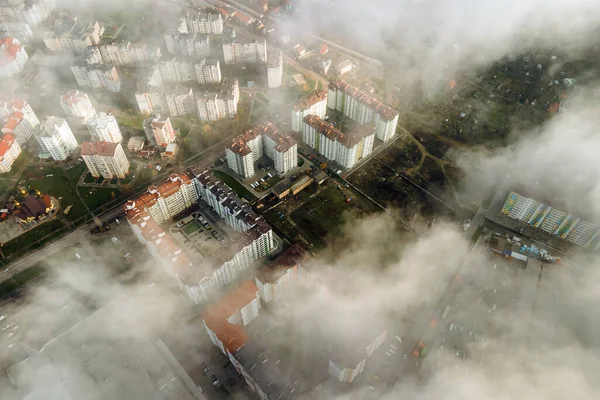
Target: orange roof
18, 104
232, 336
6, 143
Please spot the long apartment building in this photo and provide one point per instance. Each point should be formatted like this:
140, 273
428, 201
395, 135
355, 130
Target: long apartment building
56, 139
206, 23
274, 280
212, 106
174, 101
188, 44
97, 76
159, 130
17, 125
106, 159
363, 107
126, 53
274, 68
552, 221
33, 12
78, 104
314, 103
178, 70
9, 152
70, 33
202, 278
344, 148
12, 57
104, 127
262, 139
238, 49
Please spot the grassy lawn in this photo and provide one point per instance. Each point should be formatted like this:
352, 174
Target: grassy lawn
237, 187
133, 121
192, 227
324, 215
97, 197
33, 239
61, 184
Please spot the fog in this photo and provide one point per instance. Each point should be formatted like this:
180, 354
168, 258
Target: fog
382, 275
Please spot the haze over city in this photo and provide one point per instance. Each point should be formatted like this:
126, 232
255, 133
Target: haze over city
286, 199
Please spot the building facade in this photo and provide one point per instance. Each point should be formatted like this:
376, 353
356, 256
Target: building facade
212, 106
243, 50
56, 139
20, 127
262, 139
363, 108
159, 130
203, 71
345, 149
97, 76
9, 152
204, 23
188, 44
104, 127
70, 33
77, 104
106, 159
12, 57
126, 53
314, 103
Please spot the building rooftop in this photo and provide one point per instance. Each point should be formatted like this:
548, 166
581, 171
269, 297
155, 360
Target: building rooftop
385, 111
348, 140
101, 148
73, 97
289, 258
8, 140
310, 99
274, 58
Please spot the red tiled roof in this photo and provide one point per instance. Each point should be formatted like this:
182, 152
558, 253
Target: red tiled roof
6, 143
310, 99
374, 103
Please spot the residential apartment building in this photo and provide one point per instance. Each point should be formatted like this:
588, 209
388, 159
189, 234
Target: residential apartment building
151, 100
188, 44
9, 152
126, 53
23, 107
106, 159
56, 139
19, 127
104, 127
204, 23
18, 29
552, 221
203, 71
174, 101
213, 106
275, 279
97, 76
180, 102
314, 103
149, 77
12, 57
32, 12
70, 33
77, 104
274, 68
262, 139
239, 49
345, 149
159, 130
362, 107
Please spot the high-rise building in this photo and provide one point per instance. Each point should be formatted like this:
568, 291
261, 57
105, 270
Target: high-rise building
345, 149
12, 57
56, 139
238, 49
106, 159
104, 127
159, 130
70, 33
363, 108
213, 106
314, 103
20, 127
261, 139
188, 44
274, 68
275, 279
97, 76
9, 152
23, 107
203, 71
125, 53
151, 100
180, 101
78, 104
204, 23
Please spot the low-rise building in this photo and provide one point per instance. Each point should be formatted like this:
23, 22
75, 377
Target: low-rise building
344, 67
159, 130
314, 103
9, 152
238, 49
345, 149
56, 139
274, 68
262, 139
104, 127
170, 152
363, 108
106, 159
136, 143
12, 57
77, 104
